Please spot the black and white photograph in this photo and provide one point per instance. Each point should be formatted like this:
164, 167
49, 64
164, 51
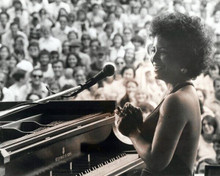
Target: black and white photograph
109, 87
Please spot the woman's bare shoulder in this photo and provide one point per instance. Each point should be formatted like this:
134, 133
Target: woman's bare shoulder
179, 103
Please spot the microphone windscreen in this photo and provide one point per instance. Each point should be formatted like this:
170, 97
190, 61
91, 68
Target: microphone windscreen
109, 70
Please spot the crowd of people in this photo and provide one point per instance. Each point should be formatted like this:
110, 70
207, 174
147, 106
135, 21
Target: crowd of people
48, 46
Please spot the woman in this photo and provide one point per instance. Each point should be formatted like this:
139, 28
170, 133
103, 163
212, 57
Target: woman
4, 53
167, 140
72, 61
117, 49
206, 146
131, 87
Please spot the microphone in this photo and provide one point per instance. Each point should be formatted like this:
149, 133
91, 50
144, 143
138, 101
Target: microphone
108, 70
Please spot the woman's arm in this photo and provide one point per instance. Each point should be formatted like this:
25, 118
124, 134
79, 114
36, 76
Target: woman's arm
166, 137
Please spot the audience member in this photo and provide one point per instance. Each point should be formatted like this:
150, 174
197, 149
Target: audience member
35, 85
205, 148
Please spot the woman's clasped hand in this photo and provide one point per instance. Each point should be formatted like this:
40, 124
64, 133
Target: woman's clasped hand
128, 119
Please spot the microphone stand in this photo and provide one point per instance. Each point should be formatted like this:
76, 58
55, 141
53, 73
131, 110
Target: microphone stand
25, 105
73, 89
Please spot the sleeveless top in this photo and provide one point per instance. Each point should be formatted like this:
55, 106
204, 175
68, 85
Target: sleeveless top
176, 167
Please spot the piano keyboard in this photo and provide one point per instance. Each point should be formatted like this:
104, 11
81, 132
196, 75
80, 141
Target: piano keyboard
110, 166
93, 165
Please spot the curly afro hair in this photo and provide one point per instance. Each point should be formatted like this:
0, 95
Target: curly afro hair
189, 36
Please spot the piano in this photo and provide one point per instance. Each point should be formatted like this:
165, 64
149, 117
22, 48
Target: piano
64, 138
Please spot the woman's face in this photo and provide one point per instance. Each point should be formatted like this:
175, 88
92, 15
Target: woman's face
127, 35
214, 71
72, 61
63, 22
140, 96
80, 77
207, 127
131, 88
12, 62
128, 74
81, 16
4, 53
72, 36
65, 47
117, 41
164, 57
129, 56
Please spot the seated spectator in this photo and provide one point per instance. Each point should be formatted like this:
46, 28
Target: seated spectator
45, 64
72, 36
117, 49
11, 64
127, 36
85, 40
8, 38
54, 87
131, 88
5, 93
65, 50
61, 29
216, 142
33, 53
100, 59
80, 75
54, 7
34, 27
82, 22
205, 148
72, 61
94, 45
4, 22
48, 42
203, 102
35, 85
99, 94
120, 64
20, 78
130, 57
214, 105
107, 35
54, 56
45, 19
23, 63
67, 78
19, 44
85, 59
140, 51
22, 18
71, 21
4, 53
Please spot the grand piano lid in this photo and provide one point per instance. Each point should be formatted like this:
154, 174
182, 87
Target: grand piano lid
56, 107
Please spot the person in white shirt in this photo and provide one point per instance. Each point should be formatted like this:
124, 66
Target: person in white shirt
61, 29
8, 38
5, 93
4, 22
54, 7
48, 42
35, 85
45, 64
117, 50
20, 78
